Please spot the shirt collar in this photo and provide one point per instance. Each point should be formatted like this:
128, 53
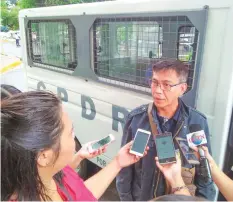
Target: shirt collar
176, 115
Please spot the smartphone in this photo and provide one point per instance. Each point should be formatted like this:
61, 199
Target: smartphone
165, 148
101, 143
140, 142
187, 152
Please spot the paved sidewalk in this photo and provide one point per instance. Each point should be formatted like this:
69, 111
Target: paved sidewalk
9, 48
8, 61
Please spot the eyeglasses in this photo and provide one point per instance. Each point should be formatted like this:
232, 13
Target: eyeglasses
164, 86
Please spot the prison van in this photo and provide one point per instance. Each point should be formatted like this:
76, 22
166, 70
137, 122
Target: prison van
96, 57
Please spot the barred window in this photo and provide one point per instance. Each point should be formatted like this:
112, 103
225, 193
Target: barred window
187, 45
125, 48
52, 44
186, 41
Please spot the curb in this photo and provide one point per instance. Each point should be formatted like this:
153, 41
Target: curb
10, 66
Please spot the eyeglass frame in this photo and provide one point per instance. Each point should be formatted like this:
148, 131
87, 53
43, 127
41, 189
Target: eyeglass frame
171, 86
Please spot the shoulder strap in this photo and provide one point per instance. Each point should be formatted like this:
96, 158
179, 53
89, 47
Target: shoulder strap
152, 123
61, 186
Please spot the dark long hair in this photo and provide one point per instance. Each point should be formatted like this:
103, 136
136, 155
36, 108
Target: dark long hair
30, 122
8, 91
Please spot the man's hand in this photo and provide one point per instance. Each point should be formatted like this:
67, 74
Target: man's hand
124, 158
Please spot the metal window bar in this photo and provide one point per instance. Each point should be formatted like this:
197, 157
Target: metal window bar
52, 44
149, 39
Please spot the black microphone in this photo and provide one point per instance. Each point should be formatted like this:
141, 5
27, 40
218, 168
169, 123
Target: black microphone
197, 137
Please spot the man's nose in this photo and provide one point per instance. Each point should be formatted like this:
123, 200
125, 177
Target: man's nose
158, 89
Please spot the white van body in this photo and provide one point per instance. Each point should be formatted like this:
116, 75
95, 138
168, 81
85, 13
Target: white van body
98, 102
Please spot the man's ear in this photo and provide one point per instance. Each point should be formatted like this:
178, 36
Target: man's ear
45, 158
184, 88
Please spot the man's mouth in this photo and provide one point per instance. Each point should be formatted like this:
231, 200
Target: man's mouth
159, 99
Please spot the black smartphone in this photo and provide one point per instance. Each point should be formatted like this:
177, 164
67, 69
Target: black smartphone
165, 148
187, 152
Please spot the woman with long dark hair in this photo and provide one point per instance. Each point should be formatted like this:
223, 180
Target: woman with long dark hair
37, 153
8, 91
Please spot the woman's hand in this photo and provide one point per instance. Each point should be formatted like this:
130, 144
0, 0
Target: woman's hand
212, 163
172, 172
124, 158
83, 153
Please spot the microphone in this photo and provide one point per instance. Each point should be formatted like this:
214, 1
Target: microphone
197, 138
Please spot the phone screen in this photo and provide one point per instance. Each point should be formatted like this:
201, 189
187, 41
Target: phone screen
101, 143
140, 142
187, 152
165, 147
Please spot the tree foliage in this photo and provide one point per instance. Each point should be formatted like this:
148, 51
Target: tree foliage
27, 4
9, 17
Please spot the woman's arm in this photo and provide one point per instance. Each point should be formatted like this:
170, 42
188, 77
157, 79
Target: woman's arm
178, 182
223, 182
100, 181
77, 159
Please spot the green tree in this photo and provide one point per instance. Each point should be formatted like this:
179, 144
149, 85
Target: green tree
9, 16
27, 4
4, 14
13, 21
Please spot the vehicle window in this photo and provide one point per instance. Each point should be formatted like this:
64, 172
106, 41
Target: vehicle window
52, 43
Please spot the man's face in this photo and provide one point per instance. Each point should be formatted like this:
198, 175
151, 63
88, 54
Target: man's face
164, 98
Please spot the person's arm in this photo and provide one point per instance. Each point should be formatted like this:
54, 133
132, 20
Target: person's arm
124, 178
172, 173
223, 182
204, 189
76, 161
100, 181
179, 182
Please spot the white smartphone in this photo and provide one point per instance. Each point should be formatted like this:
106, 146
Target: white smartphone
140, 142
101, 143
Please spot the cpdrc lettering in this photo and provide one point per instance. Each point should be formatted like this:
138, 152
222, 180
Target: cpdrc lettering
101, 162
89, 109
41, 86
118, 116
62, 93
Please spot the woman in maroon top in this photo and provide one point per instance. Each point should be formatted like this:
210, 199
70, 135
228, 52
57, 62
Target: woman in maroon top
37, 153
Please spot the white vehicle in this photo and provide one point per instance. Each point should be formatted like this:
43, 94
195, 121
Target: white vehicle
96, 57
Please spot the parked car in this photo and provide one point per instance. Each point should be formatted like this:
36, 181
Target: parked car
4, 28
